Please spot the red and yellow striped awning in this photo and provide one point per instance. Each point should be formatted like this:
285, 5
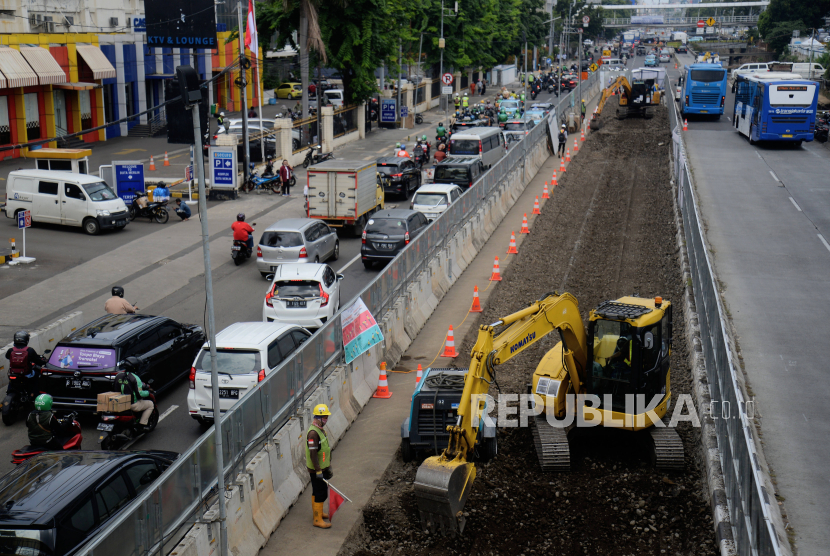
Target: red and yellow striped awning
97, 61
17, 71
46, 67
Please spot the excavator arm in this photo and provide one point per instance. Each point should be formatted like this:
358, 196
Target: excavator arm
443, 483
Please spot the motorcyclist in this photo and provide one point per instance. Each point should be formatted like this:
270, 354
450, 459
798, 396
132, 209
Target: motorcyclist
23, 361
425, 145
402, 153
465, 102
242, 231
440, 131
44, 429
502, 116
131, 385
457, 101
441, 153
117, 305
269, 167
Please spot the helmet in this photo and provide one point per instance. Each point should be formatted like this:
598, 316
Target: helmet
563, 126
117, 291
321, 410
403, 147
240, 217
583, 100
21, 338
397, 145
221, 113
131, 364
423, 137
441, 124
43, 402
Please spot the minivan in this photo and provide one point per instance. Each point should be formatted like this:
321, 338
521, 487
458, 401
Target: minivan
246, 352
434, 198
487, 143
66, 198
462, 171
803, 68
296, 240
388, 232
746, 69
613, 64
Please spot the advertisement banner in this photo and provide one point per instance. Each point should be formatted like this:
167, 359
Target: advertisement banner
180, 23
360, 330
646, 20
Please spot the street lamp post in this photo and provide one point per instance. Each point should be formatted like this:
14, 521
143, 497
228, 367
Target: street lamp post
441, 44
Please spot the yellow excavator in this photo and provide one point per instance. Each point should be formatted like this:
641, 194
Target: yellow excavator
625, 351
635, 99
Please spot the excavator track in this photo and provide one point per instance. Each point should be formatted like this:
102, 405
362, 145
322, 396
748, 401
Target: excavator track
667, 448
552, 446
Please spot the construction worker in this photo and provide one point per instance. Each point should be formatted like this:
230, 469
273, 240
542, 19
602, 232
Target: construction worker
457, 102
465, 102
318, 463
584, 108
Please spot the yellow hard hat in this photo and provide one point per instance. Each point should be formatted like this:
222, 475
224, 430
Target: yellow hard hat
321, 410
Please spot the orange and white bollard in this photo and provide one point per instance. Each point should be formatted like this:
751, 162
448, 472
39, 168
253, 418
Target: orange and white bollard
511, 249
536, 209
152, 164
166, 161
476, 308
685, 125
525, 229
567, 155
496, 276
545, 194
553, 183
576, 146
383, 385
449, 345
420, 374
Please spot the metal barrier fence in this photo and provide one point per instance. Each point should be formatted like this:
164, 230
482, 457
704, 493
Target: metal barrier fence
304, 134
156, 520
752, 526
435, 91
345, 120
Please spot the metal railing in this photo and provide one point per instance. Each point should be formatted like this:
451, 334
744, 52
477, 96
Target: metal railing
752, 527
156, 520
345, 120
722, 20
304, 134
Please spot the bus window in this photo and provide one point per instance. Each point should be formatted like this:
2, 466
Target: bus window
707, 76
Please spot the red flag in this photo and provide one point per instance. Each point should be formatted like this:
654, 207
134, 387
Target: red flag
335, 501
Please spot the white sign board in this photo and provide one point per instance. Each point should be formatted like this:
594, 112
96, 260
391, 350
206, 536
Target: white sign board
446, 90
223, 168
710, 30
699, 31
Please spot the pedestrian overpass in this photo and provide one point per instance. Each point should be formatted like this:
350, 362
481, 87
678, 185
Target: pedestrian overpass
680, 22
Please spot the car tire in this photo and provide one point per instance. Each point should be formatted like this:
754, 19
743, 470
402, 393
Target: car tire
367, 265
336, 254
290, 96
317, 260
264, 274
91, 226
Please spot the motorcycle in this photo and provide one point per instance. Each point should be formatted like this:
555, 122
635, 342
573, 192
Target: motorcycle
419, 156
69, 426
267, 181
419, 119
822, 128
20, 394
153, 211
315, 158
118, 429
553, 90
240, 250
533, 94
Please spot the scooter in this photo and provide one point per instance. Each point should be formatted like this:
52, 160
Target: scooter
533, 94
21, 393
153, 211
69, 426
240, 250
117, 429
419, 119
314, 158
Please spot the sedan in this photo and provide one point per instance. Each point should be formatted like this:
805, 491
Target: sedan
403, 175
665, 58
289, 91
651, 61
296, 240
306, 295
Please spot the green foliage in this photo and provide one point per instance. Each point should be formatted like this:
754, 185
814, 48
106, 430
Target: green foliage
779, 34
824, 60
808, 12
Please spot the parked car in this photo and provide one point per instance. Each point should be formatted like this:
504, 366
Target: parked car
246, 352
403, 174
83, 364
307, 295
462, 171
289, 91
388, 232
53, 503
296, 240
335, 97
434, 198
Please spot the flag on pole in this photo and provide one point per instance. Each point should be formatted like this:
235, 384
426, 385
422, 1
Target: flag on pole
336, 499
250, 31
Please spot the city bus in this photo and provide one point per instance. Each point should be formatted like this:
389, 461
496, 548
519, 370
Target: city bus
704, 89
775, 108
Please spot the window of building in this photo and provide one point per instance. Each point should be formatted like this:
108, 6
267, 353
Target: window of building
86, 109
5, 128
32, 116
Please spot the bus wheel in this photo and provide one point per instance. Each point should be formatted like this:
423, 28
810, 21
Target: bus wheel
797, 144
751, 127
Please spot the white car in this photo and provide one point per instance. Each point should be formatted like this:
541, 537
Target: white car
434, 198
246, 352
303, 294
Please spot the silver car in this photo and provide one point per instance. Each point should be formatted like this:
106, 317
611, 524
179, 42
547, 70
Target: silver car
296, 240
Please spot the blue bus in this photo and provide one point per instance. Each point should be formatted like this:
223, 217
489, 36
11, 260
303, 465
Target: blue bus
775, 107
704, 89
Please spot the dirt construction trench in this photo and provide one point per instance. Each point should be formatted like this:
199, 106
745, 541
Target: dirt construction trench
608, 231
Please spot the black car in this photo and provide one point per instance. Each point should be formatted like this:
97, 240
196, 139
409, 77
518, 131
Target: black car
680, 49
54, 503
388, 232
462, 125
404, 176
84, 364
462, 171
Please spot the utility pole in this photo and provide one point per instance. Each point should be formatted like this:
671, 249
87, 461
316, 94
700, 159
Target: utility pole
244, 95
441, 44
400, 66
524, 79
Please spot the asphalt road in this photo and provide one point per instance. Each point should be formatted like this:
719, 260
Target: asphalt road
767, 214
238, 291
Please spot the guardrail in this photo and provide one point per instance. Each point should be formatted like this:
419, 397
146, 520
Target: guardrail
154, 521
747, 497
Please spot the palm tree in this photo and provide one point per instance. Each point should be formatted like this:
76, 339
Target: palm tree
310, 38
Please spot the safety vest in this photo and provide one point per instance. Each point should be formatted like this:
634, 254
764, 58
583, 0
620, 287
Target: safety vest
522, 97
465, 103
457, 102
324, 451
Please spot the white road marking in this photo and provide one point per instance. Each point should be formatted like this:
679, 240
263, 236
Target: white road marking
824, 241
805, 418
169, 410
795, 204
771, 173
728, 118
759, 155
350, 263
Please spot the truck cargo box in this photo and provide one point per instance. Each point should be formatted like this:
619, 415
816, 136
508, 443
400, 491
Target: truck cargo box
343, 192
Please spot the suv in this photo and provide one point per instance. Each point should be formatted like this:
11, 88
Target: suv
462, 171
55, 502
246, 352
402, 173
463, 125
388, 232
84, 364
303, 294
434, 198
296, 240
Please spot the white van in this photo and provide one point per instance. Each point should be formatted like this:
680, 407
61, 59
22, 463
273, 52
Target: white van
746, 69
803, 68
487, 143
613, 64
335, 97
65, 198
434, 198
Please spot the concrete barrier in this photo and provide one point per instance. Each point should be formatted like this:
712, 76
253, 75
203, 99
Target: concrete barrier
265, 510
200, 540
243, 536
287, 484
336, 424
361, 390
349, 411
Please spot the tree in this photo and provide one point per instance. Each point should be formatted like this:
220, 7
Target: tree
809, 12
779, 34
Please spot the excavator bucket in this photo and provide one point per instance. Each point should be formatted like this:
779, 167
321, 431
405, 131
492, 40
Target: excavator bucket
442, 487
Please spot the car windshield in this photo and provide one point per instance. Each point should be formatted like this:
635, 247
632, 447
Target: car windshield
389, 169
464, 146
430, 199
82, 358
99, 191
296, 288
281, 239
514, 126
707, 76
230, 361
452, 174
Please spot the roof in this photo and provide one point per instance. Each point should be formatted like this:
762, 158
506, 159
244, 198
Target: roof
459, 160
56, 175
290, 224
393, 213
17, 72
391, 160
107, 330
248, 334
46, 67
96, 60
49, 152
298, 271
437, 188
39, 488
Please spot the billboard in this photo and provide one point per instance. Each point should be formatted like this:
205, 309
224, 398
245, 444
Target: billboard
180, 23
647, 20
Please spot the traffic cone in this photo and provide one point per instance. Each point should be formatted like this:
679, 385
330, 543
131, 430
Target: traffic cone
562, 165
449, 345
511, 249
567, 155
152, 164
525, 229
545, 194
553, 183
576, 146
675, 65
685, 125
496, 276
420, 374
476, 308
536, 209
383, 386
166, 162
582, 138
